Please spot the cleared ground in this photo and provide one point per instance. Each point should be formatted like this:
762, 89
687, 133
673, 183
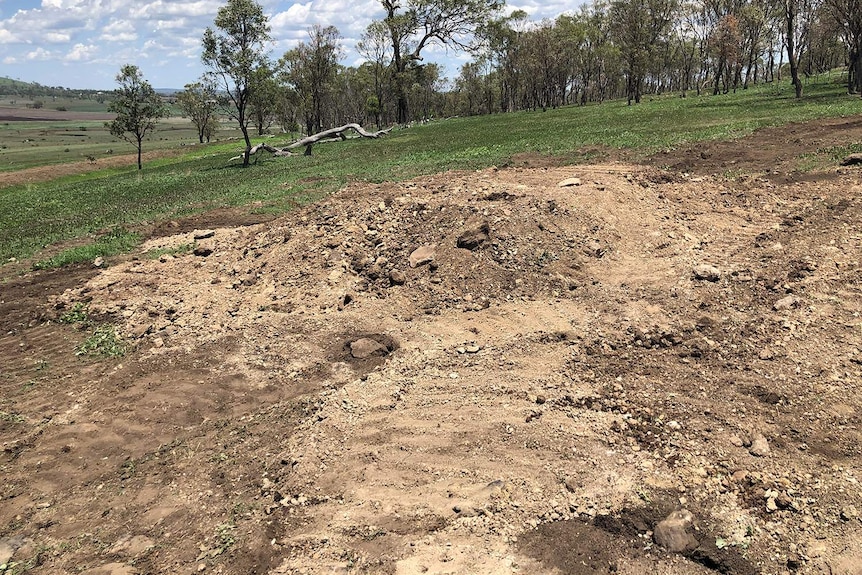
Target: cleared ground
300, 399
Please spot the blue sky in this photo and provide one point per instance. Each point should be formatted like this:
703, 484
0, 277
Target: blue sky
83, 43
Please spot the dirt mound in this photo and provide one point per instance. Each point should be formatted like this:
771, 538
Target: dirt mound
489, 372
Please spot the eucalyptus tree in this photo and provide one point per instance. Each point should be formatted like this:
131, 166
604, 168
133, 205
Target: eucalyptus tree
199, 102
416, 24
138, 108
234, 52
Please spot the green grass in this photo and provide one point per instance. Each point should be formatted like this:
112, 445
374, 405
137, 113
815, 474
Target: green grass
115, 241
38, 215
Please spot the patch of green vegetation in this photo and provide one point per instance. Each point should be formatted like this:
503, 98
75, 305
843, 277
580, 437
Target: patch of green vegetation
116, 241
837, 153
78, 314
103, 342
33, 216
11, 417
179, 250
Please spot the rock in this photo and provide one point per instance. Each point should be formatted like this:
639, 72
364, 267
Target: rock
849, 513
132, 546
766, 354
771, 506
99, 262
759, 446
594, 249
852, 160
423, 255
785, 303
472, 349
367, 347
569, 182
794, 562
397, 278
674, 532
202, 234
112, 569
203, 251
707, 272
735, 440
6, 552
473, 238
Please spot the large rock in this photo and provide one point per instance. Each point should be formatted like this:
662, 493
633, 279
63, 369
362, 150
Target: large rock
473, 238
674, 533
423, 255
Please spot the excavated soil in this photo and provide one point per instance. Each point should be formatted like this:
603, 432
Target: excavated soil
468, 373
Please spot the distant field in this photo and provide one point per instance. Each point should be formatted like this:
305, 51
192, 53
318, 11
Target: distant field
37, 137
35, 215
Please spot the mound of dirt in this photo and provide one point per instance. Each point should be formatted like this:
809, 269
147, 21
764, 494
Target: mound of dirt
484, 372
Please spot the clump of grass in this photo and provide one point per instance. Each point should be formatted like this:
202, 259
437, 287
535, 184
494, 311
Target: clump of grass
179, 250
103, 342
118, 240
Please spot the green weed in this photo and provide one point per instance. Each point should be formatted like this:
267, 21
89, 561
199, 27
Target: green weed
104, 342
78, 314
11, 417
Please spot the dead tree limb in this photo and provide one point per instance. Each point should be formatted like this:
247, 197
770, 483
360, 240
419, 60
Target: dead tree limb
330, 135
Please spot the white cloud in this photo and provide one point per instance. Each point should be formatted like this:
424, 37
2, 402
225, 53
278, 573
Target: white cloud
81, 53
39, 54
119, 31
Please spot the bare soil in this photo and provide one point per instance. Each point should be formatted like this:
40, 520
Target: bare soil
563, 368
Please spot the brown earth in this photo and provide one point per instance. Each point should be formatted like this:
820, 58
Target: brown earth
299, 399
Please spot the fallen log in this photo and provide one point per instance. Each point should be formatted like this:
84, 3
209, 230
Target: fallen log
330, 135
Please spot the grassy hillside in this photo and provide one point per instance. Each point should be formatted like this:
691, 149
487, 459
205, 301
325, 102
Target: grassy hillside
37, 215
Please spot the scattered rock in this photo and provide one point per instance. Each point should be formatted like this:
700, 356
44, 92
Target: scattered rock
852, 160
423, 255
674, 532
397, 278
707, 272
759, 446
202, 234
473, 238
569, 182
785, 303
366, 347
99, 262
766, 354
203, 251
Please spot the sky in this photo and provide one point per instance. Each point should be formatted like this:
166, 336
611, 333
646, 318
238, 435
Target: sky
84, 43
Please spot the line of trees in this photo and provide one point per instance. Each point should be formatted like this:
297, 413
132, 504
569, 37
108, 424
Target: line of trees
606, 49
628, 48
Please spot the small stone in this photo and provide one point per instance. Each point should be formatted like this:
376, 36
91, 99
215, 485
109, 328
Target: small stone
707, 272
99, 262
674, 532
771, 506
794, 562
735, 440
202, 234
203, 251
569, 182
674, 425
367, 347
423, 255
397, 278
759, 446
786, 303
766, 354
473, 349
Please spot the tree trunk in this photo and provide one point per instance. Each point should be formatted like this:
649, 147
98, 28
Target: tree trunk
309, 141
140, 165
791, 47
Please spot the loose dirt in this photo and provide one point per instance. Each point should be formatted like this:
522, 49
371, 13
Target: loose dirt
472, 373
